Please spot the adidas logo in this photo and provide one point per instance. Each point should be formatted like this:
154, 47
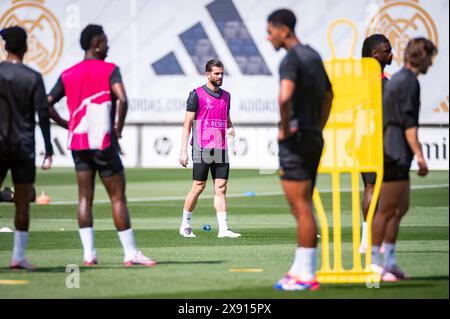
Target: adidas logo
200, 48
443, 107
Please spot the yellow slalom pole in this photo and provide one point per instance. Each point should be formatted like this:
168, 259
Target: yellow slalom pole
325, 238
370, 215
356, 221
337, 237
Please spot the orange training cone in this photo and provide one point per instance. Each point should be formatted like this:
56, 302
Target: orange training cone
43, 199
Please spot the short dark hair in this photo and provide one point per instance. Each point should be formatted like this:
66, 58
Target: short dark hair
89, 33
418, 50
371, 43
283, 17
15, 39
213, 63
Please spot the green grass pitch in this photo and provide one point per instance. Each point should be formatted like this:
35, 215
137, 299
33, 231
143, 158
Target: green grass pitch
199, 267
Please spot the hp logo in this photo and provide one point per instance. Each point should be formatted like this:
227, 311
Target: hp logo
163, 146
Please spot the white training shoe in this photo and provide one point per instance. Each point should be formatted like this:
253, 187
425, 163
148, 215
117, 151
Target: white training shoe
187, 232
228, 233
140, 259
397, 272
389, 277
24, 264
376, 269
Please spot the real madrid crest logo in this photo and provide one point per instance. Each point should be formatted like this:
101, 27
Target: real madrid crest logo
401, 20
45, 39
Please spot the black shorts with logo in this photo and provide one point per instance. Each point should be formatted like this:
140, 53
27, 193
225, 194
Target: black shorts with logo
300, 155
23, 171
106, 162
214, 160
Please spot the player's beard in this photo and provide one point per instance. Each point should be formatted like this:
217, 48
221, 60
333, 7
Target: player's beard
216, 83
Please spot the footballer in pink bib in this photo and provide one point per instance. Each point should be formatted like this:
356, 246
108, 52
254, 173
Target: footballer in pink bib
208, 116
97, 104
87, 87
211, 120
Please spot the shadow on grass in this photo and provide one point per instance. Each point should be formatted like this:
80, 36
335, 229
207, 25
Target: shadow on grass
190, 262
425, 252
38, 270
62, 269
59, 269
427, 278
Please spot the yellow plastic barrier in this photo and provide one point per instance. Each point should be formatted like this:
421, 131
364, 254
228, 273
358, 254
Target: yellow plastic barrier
353, 144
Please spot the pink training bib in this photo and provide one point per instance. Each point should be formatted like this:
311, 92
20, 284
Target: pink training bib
87, 87
212, 120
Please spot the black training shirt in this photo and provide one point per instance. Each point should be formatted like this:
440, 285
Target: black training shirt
304, 66
401, 100
401, 108
22, 93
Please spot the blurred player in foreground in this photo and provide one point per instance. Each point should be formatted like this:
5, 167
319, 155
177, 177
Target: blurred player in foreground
95, 94
376, 46
401, 107
305, 102
208, 115
22, 94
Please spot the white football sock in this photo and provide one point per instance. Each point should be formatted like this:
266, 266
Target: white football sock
129, 245
20, 244
87, 240
364, 234
186, 219
222, 220
376, 256
304, 266
389, 255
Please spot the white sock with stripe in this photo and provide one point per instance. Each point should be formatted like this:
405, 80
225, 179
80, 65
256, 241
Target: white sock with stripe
222, 221
128, 243
20, 244
389, 255
87, 240
304, 266
186, 219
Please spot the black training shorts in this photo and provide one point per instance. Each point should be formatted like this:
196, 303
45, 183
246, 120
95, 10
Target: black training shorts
369, 178
394, 172
22, 171
300, 155
106, 162
214, 160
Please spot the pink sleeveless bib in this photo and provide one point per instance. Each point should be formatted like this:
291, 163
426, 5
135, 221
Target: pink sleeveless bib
87, 87
211, 120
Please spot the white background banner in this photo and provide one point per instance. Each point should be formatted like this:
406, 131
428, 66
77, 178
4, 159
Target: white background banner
63, 156
254, 148
161, 46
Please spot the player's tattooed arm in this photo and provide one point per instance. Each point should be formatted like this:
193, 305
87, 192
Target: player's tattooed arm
55, 95
287, 88
118, 90
54, 115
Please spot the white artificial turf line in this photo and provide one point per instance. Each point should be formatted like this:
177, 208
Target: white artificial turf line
241, 195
